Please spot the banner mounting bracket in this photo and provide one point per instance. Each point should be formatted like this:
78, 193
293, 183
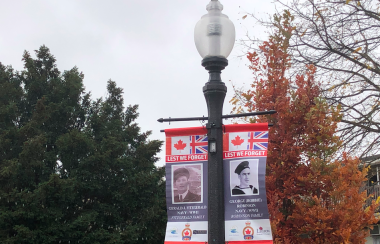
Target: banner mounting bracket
227, 116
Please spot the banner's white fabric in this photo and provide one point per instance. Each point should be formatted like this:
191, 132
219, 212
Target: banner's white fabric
197, 231
237, 229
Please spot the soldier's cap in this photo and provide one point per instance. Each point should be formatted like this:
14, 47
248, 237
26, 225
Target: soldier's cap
243, 165
181, 172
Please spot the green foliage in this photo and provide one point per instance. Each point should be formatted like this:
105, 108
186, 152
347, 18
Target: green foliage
73, 170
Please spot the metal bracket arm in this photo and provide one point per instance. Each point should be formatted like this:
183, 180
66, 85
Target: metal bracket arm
161, 120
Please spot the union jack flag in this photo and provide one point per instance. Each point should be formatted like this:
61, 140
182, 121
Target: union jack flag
198, 144
257, 140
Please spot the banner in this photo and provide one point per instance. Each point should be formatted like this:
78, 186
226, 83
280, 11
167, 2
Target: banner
246, 212
186, 185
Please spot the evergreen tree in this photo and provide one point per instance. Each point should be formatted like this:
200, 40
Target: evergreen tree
73, 170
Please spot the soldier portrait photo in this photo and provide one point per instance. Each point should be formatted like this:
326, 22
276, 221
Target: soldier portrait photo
187, 183
244, 177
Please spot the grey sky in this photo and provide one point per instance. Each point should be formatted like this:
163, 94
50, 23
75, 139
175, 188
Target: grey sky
145, 46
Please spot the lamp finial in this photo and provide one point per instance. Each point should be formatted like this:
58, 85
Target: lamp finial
214, 5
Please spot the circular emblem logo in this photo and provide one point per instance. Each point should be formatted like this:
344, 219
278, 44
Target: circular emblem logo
248, 231
186, 233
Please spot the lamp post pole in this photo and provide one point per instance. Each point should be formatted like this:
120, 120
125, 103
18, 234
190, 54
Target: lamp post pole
215, 92
214, 37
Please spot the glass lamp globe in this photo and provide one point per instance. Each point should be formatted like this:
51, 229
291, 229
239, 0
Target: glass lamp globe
214, 34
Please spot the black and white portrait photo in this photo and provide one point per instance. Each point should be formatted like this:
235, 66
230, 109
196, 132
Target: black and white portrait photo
244, 177
187, 183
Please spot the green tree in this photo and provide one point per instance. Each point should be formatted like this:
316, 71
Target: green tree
73, 170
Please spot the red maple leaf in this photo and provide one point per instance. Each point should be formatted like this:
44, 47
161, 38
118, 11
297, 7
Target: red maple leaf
247, 232
237, 141
186, 233
180, 145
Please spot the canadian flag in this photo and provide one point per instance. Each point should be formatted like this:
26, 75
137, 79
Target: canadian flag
180, 145
238, 141
254, 140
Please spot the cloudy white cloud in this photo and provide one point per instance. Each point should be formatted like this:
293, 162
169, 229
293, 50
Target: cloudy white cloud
145, 46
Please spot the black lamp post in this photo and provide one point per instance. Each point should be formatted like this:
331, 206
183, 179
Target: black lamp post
215, 92
214, 37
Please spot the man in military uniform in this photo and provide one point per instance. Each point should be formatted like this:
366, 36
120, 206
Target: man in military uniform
244, 174
181, 181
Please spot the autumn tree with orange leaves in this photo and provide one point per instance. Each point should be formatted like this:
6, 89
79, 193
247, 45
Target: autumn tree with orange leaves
312, 196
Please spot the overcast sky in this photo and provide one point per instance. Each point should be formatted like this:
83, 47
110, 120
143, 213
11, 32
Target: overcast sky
146, 46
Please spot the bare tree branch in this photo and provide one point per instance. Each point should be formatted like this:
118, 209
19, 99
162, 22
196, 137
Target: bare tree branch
342, 39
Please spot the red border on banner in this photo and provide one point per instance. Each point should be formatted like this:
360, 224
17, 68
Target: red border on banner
245, 127
182, 242
188, 131
227, 242
226, 141
253, 242
186, 158
168, 146
245, 153
226, 129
